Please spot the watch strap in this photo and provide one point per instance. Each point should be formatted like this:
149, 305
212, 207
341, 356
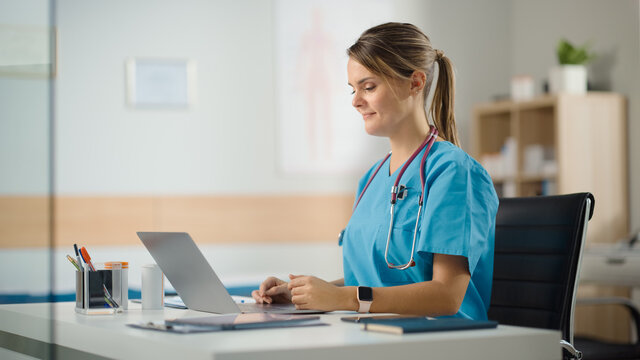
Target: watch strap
364, 306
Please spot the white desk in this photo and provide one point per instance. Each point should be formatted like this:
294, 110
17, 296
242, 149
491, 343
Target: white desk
81, 336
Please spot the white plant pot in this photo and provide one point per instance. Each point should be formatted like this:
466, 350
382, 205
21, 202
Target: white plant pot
570, 79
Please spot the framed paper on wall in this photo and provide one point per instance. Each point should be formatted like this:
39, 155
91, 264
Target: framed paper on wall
164, 83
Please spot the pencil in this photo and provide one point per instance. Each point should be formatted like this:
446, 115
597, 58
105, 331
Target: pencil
74, 263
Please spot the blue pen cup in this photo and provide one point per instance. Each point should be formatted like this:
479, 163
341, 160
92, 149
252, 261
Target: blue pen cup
91, 297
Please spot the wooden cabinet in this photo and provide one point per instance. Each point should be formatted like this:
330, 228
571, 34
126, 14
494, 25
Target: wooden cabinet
583, 138
584, 142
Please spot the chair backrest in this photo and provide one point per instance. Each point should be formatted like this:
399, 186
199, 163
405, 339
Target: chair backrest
538, 246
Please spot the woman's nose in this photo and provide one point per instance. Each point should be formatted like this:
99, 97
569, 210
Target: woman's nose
357, 100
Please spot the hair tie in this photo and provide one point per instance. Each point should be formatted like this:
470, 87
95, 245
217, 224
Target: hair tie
439, 54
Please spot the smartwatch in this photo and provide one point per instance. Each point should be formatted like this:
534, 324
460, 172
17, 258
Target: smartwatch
365, 298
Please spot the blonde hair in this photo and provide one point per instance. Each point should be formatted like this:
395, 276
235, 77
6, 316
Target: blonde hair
396, 51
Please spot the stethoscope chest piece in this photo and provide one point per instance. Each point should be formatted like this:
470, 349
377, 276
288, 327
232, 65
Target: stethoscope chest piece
402, 192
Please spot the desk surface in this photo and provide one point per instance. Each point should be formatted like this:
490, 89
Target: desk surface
107, 336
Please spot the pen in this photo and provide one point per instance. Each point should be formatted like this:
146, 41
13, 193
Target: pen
75, 248
87, 259
108, 298
73, 262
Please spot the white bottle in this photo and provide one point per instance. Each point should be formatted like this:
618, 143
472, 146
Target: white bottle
152, 287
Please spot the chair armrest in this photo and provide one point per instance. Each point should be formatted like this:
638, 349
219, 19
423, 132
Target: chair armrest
573, 352
631, 306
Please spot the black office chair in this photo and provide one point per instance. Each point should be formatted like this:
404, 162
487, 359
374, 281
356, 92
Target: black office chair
538, 248
597, 349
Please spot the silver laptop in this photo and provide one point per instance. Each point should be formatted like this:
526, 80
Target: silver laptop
195, 281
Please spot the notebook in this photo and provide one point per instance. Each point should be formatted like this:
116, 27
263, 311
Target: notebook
194, 279
423, 324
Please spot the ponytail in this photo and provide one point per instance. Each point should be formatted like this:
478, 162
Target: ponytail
443, 100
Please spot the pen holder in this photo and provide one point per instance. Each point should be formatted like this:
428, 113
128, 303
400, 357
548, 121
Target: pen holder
120, 281
103, 291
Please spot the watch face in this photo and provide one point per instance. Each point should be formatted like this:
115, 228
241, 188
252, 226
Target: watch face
365, 293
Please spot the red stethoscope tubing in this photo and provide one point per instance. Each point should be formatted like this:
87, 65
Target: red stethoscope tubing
428, 143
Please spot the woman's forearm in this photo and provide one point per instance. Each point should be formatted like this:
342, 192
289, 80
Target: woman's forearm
442, 295
429, 298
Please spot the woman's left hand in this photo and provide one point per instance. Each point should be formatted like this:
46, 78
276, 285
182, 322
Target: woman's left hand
310, 292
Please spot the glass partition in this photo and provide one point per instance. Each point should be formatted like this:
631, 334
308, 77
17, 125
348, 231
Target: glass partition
27, 73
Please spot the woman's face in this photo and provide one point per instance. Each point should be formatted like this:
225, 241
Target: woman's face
382, 104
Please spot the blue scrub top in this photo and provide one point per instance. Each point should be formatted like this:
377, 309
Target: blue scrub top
458, 218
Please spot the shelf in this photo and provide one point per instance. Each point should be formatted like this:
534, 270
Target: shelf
523, 178
498, 107
500, 180
546, 101
508, 106
536, 178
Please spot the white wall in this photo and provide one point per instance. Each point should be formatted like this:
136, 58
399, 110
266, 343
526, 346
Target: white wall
476, 36
614, 30
226, 142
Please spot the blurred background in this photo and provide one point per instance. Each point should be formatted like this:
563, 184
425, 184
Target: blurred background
232, 120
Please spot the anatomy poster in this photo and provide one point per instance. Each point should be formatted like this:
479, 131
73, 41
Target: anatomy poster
319, 132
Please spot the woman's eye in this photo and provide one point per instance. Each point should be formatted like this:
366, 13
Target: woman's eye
368, 88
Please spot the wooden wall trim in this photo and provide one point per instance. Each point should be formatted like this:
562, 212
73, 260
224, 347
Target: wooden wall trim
114, 220
24, 221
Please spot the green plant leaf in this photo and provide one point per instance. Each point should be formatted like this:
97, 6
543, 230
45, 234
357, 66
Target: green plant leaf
571, 55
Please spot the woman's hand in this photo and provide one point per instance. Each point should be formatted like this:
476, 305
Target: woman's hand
272, 290
310, 292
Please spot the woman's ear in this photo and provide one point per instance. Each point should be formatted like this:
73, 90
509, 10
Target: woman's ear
418, 81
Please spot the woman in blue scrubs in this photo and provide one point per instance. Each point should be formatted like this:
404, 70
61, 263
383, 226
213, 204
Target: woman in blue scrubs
437, 261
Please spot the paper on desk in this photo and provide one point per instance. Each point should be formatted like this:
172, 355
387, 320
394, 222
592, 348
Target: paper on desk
176, 301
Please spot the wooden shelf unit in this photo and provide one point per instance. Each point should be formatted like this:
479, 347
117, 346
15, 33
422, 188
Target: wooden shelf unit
588, 135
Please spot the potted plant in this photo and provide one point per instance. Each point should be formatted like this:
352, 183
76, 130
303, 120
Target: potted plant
571, 75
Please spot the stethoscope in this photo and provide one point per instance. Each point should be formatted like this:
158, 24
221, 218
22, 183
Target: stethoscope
398, 192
